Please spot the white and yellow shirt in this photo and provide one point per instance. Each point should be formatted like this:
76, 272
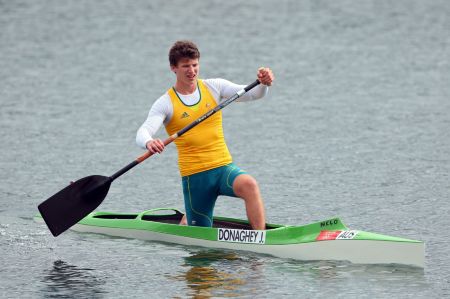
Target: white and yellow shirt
203, 147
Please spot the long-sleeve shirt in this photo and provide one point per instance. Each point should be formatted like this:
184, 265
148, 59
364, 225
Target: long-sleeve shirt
161, 111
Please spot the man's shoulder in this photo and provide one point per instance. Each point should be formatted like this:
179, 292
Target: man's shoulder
213, 81
164, 97
162, 104
216, 84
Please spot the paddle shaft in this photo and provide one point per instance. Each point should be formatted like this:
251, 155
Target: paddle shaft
171, 138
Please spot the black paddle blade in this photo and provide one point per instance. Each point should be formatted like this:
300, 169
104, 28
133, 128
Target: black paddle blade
73, 203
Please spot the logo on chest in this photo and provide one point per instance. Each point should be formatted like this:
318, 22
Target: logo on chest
184, 115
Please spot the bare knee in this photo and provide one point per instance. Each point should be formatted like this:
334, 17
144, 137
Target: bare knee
245, 185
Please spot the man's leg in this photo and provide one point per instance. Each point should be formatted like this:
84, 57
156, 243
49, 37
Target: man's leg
246, 187
183, 220
199, 199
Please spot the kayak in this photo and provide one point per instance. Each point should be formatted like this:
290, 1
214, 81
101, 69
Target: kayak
329, 239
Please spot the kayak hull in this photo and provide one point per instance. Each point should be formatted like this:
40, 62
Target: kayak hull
375, 252
325, 240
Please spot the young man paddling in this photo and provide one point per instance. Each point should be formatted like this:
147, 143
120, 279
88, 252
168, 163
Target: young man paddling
204, 161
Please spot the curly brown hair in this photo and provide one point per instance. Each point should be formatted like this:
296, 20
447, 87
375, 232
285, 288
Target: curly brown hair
183, 49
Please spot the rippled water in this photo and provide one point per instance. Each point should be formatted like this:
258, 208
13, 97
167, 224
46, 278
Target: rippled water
356, 126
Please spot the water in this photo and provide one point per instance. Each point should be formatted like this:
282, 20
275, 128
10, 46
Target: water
356, 126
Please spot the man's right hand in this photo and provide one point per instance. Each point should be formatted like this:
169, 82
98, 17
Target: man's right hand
155, 146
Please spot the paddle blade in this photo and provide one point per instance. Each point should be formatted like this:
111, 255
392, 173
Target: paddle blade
74, 202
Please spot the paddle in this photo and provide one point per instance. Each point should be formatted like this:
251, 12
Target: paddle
74, 202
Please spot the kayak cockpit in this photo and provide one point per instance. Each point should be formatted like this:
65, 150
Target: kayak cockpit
175, 218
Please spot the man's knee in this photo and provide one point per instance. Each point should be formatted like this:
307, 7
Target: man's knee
245, 184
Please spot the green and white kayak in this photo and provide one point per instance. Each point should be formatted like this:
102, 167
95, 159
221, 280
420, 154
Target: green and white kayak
324, 240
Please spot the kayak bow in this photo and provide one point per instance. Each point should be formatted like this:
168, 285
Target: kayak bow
324, 240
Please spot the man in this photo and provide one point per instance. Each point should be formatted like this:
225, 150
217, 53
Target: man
204, 161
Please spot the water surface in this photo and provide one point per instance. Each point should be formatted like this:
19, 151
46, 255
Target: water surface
355, 126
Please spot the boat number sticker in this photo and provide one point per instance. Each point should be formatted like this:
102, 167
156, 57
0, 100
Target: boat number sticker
326, 235
241, 236
347, 235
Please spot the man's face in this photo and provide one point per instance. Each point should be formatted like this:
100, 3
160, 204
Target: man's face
186, 70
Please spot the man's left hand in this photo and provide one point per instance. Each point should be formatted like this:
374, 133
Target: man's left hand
265, 76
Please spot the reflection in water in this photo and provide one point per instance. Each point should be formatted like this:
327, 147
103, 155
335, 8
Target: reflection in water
67, 281
213, 273
326, 271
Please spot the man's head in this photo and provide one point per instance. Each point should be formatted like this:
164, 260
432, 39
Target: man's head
183, 49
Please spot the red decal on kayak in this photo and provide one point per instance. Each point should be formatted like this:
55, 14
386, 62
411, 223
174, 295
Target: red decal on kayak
328, 235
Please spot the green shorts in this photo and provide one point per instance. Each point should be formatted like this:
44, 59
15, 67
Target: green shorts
202, 189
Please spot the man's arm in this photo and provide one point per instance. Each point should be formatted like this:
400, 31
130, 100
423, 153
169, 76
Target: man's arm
223, 89
160, 112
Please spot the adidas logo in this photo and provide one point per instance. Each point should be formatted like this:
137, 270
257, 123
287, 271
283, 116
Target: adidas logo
184, 115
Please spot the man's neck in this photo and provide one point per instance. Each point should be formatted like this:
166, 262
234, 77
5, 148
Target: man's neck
183, 88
